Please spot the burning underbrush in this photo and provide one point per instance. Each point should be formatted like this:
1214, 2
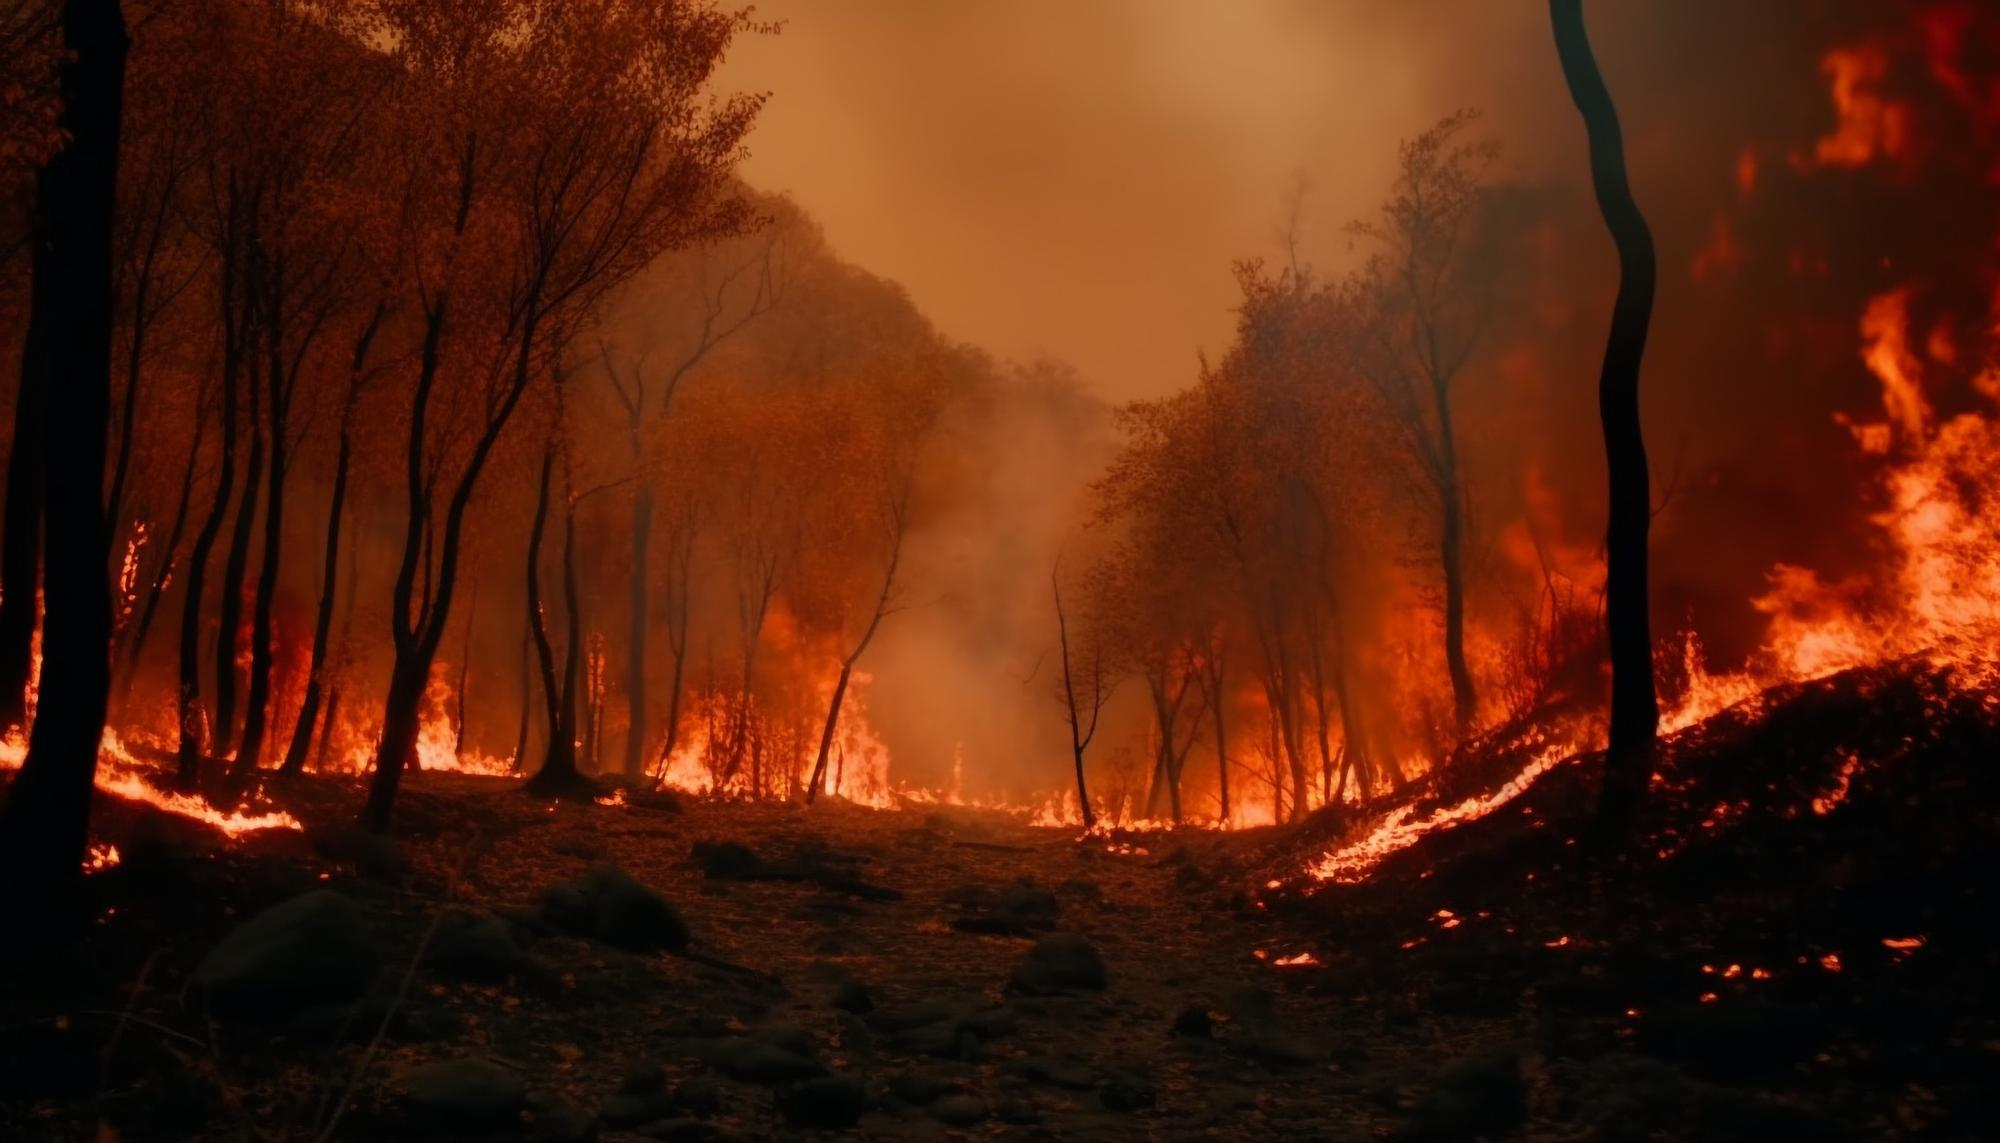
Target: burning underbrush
1804, 911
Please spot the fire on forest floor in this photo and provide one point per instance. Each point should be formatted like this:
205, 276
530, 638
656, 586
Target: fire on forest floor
1793, 954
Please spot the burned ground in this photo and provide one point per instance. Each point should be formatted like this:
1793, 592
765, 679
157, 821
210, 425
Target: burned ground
1794, 954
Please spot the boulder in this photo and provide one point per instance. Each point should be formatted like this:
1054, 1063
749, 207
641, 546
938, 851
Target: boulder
608, 906
828, 1102
313, 949
475, 946
465, 1096
1059, 962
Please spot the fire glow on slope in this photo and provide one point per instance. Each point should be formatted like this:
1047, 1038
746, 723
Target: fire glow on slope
122, 775
1938, 597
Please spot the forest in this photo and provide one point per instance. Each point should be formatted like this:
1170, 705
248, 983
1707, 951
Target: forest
642, 569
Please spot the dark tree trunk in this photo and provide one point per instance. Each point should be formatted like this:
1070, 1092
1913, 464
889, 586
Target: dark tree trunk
235, 571
538, 621
635, 647
44, 824
1451, 547
416, 634
257, 701
191, 736
21, 544
156, 587
1635, 710
302, 731
1216, 697
559, 774
520, 759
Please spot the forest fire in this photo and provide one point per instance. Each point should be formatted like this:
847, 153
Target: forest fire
536, 604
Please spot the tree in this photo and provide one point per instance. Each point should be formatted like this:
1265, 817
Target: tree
635, 394
553, 151
43, 826
302, 730
893, 524
1635, 709
1427, 297
1084, 688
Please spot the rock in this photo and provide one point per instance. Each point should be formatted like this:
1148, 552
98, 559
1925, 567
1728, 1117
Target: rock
1277, 1050
476, 946
946, 1029
1059, 962
1057, 1071
727, 860
632, 1109
1482, 1095
852, 996
960, 1110
696, 1026
607, 905
644, 1079
551, 1121
921, 1088
1016, 1110
681, 1129
828, 1102
770, 1056
463, 1096
312, 949
1127, 1091
1194, 1022
699, 1096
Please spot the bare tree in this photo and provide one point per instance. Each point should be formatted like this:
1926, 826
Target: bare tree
1428, 298
1635, 709
1084, 688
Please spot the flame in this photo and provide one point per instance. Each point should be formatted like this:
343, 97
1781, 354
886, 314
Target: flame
122, 775
1404, 826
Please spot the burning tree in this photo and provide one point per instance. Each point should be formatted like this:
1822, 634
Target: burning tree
551, 153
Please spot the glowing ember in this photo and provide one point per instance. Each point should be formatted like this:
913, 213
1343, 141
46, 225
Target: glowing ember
102, 856
1297, 960
1403, 827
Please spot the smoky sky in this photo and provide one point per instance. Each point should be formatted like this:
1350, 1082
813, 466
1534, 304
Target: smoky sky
1076, 178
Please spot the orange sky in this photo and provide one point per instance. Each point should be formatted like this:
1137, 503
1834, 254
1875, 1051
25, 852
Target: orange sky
1076, 176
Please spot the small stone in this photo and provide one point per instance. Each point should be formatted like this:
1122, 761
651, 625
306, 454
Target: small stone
960, 1110
698, 1096
475, 946
1057, 1071
1124, 1091
1482, 1095
829, 1102
1059, 962
463, 1095
921, 1088
607, 905
852, 996
1194, 1021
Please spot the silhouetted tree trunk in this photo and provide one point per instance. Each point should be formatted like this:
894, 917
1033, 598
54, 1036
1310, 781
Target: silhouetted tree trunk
156, 586
21, 545
1213, 675
558, 773
295, 755
1635, 710
43, 826
1094, 694
635, 641
235, 570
